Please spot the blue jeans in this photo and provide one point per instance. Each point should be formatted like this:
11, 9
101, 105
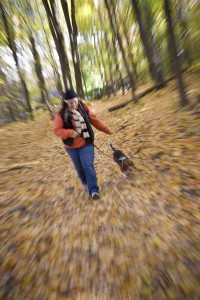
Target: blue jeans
83, 160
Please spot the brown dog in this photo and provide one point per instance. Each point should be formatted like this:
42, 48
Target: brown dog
126, 165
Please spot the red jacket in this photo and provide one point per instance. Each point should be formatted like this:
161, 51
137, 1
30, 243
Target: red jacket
66, 133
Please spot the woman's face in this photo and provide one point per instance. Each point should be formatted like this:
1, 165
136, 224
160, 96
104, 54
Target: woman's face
72, 103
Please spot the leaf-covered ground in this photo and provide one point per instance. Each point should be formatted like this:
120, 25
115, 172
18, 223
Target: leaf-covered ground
139, 241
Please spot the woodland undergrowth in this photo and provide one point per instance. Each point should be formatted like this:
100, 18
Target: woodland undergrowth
139, 241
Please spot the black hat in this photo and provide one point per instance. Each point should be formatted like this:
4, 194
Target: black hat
70, 94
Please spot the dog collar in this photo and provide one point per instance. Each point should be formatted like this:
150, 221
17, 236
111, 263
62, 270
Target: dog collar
122, 158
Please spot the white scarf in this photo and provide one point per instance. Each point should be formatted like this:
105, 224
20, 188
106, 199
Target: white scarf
81, 126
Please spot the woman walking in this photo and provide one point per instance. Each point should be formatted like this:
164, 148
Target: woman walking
73, 125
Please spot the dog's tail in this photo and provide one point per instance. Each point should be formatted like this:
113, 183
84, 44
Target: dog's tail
112, 147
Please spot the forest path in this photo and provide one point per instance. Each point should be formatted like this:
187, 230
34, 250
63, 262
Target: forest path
139, 241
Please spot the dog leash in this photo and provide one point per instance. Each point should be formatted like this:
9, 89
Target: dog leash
96, 147
101, 151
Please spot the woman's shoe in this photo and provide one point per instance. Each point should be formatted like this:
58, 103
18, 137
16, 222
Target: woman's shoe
95, 196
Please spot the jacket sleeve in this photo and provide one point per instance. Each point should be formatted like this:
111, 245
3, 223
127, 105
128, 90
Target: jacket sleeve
98, 123
59, 130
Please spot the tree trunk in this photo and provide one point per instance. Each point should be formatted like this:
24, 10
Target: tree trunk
8, 91
171, 35
103, 63
58, 82
130, 54
11, 44
72, 29
40, 77
59, 41
25, 92
153, 45
112, 79
94, 60
85, 85
184, 30
117, 66
98, 61
154, 68
108, 46
10, 109
116, 33
77, 61
15, 105
37, 65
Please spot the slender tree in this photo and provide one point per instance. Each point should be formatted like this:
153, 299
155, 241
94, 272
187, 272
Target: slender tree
184, 30
100, 53
73, 33
52, 60
26, 13
10, 35
75, 40
97, 58
8, 96
109, 53
167, 8
149, 49
116, 33
38, 70
152, 40
130, 54
118, 71
56, 31
112, 76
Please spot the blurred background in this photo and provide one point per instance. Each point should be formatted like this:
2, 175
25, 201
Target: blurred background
136, 64
97, 47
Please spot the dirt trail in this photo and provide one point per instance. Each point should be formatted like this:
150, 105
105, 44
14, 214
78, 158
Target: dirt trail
139, 241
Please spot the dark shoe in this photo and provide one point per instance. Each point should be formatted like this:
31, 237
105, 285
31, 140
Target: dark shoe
95, 196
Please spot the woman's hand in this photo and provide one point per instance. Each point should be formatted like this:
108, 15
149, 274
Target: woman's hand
75, 134
109, 132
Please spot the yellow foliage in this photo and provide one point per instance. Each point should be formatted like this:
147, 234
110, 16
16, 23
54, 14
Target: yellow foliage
139, 241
